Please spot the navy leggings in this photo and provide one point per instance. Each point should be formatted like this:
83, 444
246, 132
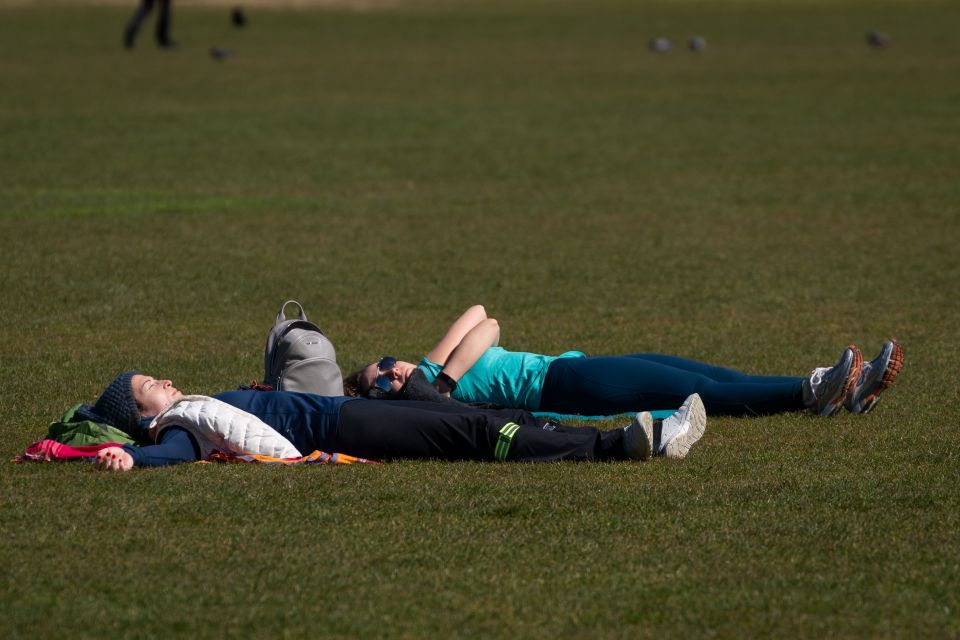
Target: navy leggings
605, 385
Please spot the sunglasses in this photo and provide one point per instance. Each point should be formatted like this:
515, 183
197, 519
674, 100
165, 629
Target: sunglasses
382, 382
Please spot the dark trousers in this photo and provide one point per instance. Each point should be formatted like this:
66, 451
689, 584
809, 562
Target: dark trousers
163, 21
391, 429
604, 385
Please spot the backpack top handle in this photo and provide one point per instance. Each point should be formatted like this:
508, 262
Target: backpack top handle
282, 318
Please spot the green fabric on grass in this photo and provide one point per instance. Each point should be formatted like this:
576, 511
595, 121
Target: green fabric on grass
84, 432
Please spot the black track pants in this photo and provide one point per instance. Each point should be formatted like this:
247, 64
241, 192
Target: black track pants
390, 429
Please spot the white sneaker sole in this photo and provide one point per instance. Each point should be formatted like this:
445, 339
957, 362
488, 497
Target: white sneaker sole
640, 429
696, 425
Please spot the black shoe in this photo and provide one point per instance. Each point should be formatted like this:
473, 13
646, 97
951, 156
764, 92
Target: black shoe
169, 45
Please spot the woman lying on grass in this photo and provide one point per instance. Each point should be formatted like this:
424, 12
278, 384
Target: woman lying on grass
365, 429
468, 365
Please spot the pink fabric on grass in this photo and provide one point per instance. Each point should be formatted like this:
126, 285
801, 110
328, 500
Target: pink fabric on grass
53, 451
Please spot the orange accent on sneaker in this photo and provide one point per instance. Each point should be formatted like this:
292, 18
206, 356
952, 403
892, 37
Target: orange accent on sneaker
855, 368
890, 373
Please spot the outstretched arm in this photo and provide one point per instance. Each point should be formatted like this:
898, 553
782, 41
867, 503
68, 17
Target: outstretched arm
456, 333
176, 445
113, 459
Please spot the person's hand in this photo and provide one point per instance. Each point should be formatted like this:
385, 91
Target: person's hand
113, 459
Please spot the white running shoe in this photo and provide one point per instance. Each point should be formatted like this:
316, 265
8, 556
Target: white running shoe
637, 436
827, 387
679, 432
877, 375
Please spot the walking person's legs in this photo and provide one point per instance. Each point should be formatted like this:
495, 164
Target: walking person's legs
136, 21
163, 24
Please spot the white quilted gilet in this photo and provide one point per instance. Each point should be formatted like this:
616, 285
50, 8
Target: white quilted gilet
218, 426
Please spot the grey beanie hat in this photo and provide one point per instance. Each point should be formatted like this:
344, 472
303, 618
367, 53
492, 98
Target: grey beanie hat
117, 404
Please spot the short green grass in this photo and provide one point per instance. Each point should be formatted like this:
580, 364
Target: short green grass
760, 205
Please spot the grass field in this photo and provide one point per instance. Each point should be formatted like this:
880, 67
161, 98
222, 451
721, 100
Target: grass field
760, 205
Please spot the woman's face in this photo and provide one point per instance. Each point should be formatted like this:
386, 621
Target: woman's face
152, 395
387, 371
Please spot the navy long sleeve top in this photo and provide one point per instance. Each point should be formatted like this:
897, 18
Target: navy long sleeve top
308, 421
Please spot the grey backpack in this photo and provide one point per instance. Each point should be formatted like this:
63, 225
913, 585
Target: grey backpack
299, 357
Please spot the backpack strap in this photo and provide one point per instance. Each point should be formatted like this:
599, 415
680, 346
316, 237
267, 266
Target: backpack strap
255, 386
